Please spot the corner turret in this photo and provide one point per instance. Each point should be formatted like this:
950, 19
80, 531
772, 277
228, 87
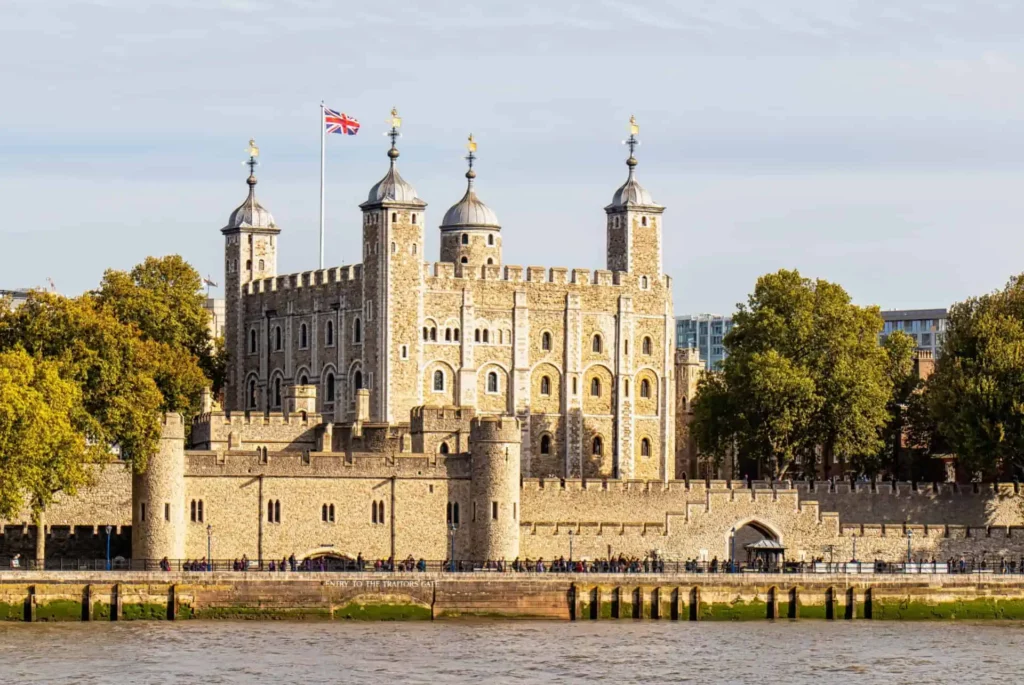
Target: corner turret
158, 497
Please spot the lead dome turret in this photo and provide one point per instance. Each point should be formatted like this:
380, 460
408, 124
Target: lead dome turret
470, 230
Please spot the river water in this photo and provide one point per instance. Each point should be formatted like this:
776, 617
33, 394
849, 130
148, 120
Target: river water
280, 653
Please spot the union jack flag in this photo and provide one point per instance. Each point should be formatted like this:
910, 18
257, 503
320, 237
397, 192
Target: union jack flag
337, 122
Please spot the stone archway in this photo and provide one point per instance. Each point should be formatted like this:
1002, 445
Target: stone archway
747, 532
329, 559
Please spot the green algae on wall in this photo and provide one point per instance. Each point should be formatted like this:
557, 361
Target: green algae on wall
59, 610
737, 610
906, 609
386, 612
12, 611
265, 613
100, 611
144, 612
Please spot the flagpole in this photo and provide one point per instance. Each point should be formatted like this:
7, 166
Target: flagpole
322, 147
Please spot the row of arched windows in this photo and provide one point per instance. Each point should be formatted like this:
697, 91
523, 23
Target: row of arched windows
596, 446
501, 337
357, 336
196, 511
377, 515
465, 239
450, 334
274, 511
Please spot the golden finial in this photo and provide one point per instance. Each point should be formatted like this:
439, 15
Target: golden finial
471, 145
395, 121
252, 149
634, 128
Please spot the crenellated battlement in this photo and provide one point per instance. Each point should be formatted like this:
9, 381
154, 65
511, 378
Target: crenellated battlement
254, 418
556, 275
305, 279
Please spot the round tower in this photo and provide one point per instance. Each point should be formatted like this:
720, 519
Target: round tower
158, 497
494, 443
470, 232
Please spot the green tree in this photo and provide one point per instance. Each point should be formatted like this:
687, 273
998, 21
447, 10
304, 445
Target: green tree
43, 424
903, 379
975, 398
805, 375
112, 366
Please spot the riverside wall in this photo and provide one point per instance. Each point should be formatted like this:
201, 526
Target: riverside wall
121, 596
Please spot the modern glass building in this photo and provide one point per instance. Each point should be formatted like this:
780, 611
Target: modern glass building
704, 332
926, 326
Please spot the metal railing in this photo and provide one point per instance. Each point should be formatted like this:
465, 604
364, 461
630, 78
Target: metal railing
975, 565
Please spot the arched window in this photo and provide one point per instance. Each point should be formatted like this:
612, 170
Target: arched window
200, 511
645, 388
414, 217
545, 341
545, 444
645, 448
643, 282
394, 216
490, 261
330, 513
303, 340
373, 511
261, 265
682, 402
545, 386
330, 387
192, 510
303, 380
464, 260
357, 331
277, 338
252, 341
595, 387
443, 449
456, 332
476, 335
426, 333
625, 387
277, 392
501, 336
357, 380
596, 446
394, 247
595, 345
323, 513
492, 382
647, 345
329, 333
486, 335
465, 240
433, 334
248, 265
439, 381
380, 511
643, 221
448, 335
274, 511
490, 239
252, 394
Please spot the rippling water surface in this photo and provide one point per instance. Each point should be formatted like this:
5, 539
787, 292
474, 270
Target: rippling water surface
275, 653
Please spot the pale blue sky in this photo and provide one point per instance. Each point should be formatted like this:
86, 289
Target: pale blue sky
877, 147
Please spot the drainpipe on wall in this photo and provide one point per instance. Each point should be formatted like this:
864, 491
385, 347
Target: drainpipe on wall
259, 538
393, 520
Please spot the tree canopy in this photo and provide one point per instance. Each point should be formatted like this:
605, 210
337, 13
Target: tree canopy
974, 402
42, 427
805, 376
133, 349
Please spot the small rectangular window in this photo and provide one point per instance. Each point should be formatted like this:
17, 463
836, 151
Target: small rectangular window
514, 507
167, 512
494, 510
474, 511
142, 511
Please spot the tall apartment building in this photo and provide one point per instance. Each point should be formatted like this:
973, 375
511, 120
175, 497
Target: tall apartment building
926, 326
704, 332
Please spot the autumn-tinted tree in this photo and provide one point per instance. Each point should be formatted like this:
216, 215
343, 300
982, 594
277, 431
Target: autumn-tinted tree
43, 425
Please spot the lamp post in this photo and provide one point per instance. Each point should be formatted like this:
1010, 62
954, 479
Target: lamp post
108, 547
570, 546
854, 547
452, 527
732, 553
209, 545
910, 535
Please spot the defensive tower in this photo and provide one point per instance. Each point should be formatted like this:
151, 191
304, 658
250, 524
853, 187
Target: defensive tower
158, 497
470, 232
494, 443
